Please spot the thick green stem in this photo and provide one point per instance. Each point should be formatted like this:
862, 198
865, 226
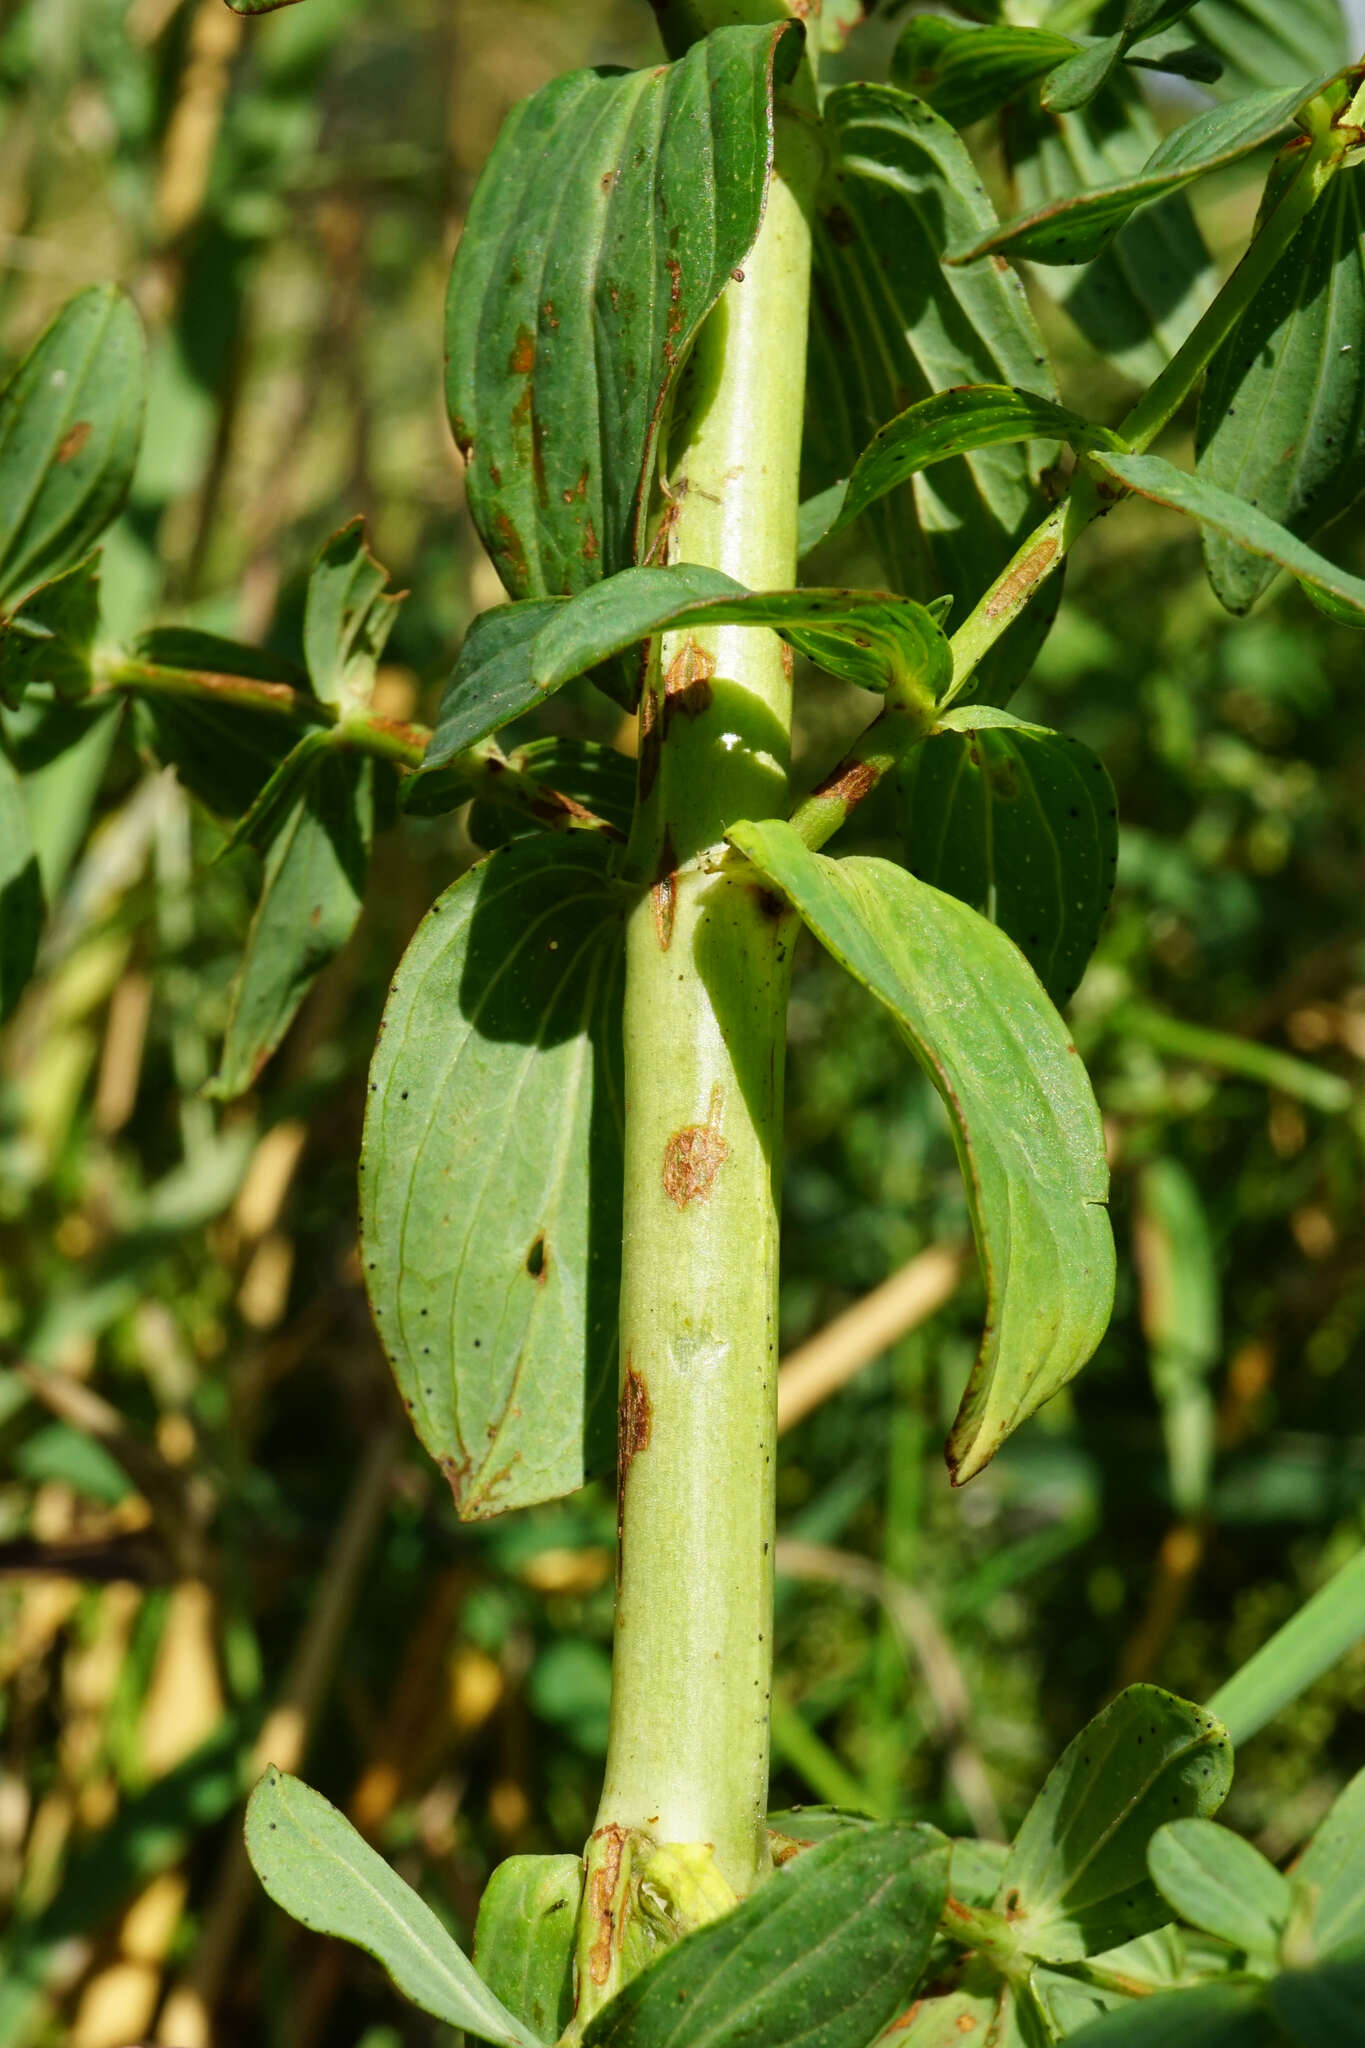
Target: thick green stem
707, 970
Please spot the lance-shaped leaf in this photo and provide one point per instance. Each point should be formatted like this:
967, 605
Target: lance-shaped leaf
950, 423
21, 891
314, 1864
965, 71
1023, 1117
823, 1955
1333, 1867
866, 636
1181, 1321
524, 1939
70, 425
311, 893
1077, 228
1232, 518
268, 810
595, 776
492, 683
491, 1174
891, 326
1022, 824
1282, 414
1076, 1881
48, 638
1137, 301
593, 251
1221, 1884
1309, 1643
1078, 80
347, 618
1262, 43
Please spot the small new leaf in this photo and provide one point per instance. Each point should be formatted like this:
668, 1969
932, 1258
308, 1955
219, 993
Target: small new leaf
524, 1939
348, 616
1221, 1884
49, 636
1076, 1881
314, 1864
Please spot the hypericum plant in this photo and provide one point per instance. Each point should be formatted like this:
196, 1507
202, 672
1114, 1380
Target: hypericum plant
568, 1188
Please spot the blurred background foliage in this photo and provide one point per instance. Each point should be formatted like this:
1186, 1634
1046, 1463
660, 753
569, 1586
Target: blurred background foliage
218, 1541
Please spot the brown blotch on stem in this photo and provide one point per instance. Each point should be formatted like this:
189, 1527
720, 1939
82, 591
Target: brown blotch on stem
1023, 579
849, 785
663, 901
694, 1156
600, 1893
687, 685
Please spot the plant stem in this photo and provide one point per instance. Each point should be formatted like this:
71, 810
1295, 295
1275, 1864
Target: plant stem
707, 970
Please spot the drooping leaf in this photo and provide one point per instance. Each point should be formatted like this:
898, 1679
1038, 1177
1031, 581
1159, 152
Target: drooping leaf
1311, 1642
311, 893
597, 777
866, 636
70, 425
1262, 43
556, 392
1333, 1865
823, 1955
965, 72
1022, 824
48, 638
1077, 228
1218, 1882
524, 1939
1076, 1881
1081, 77
21, 891
314, 1864
1023, 1117
348, 616
492, 683
1232, 518
1282, 414
951, 423
1135, 302
491, 1174
891, 326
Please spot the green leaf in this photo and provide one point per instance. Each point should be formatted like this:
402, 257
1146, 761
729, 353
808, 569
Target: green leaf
1076, 1882
48, 637
1078, 80
1263, 43
1218, 1882
965, 73
1022, 824
823, 1955
1315, 2007
266, 813
311, 894
347, 618
891, 326
491, 1174
21, 891
1023, 1117
492, 683
1219, 512
1282, 414
1137, 301
61, 751
1212, 2016
1297, 1655
868, 637
259, 6
314, 1865
597, 777
70, 425
950, 423
524, 1939
1182, 1322
979, 2010
1333, 1867
557, 392
1076, 228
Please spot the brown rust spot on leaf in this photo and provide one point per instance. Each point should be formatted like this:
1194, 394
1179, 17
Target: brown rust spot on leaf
601, 1891
841, 227
1022, 580
590, 549
522, 360
74, 441
687, 685
509, 551
694, 1156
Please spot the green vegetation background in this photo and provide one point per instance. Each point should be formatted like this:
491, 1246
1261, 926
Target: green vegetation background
283, 198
